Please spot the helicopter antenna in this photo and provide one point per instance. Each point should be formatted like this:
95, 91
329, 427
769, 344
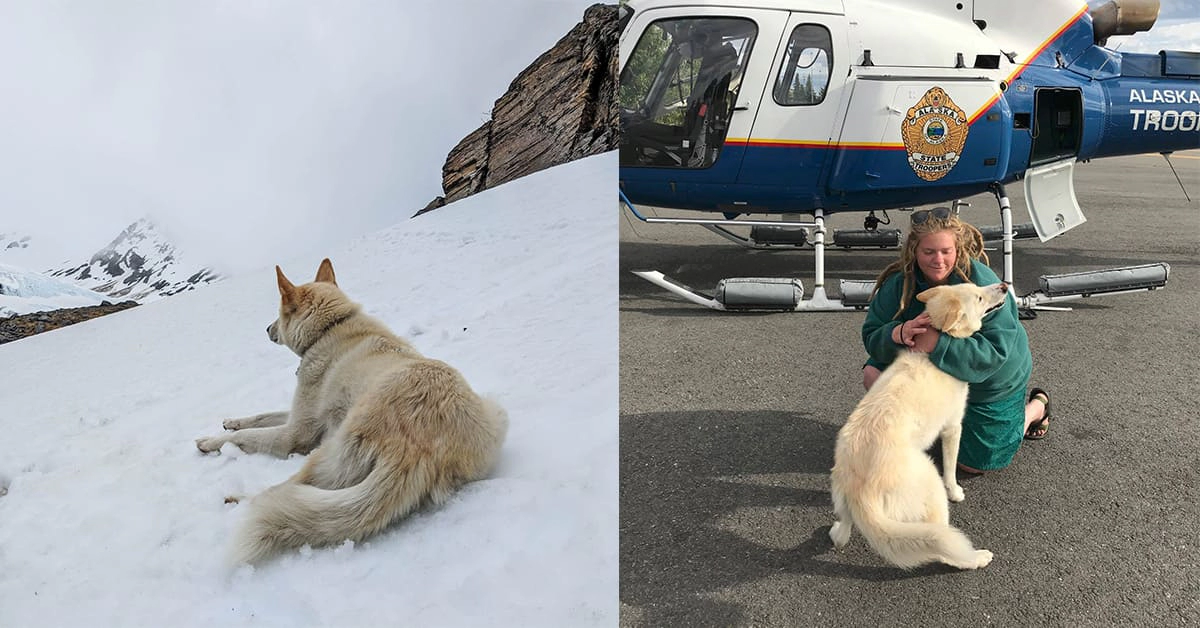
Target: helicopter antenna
1101, 68
1167, 156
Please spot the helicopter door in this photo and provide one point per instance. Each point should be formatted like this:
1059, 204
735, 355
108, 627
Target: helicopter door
681, 89
1057, 125
1049, 181
795, 124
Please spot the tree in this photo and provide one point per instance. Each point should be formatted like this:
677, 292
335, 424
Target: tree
642, 67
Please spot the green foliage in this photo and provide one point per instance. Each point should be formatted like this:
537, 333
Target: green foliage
642, 67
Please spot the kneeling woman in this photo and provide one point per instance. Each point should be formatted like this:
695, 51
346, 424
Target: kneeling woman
995, 362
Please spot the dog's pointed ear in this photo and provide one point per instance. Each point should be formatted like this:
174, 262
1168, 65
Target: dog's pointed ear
287, 290
325, 272
956, 323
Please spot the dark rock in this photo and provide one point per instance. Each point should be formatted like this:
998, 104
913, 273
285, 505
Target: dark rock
434, 204
465, 170
559, 109
201, 275
17, 327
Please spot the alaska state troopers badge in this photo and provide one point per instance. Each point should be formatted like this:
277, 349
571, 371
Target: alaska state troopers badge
934, 133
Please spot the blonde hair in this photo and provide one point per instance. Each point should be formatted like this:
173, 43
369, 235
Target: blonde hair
968, 245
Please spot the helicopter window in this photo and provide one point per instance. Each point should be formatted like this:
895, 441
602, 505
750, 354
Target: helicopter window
678, 88
624, 14
804, 74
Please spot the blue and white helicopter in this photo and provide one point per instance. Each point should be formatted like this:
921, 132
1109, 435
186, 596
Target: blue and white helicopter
811, 107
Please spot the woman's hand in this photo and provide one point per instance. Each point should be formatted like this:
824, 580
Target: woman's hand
926, 341
906, 332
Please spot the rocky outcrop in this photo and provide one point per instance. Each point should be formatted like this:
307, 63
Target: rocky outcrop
561, 108
466, 167
17, 327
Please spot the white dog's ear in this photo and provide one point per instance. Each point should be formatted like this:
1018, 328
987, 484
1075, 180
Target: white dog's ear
956, 323
286, 289
925, 295
325, 272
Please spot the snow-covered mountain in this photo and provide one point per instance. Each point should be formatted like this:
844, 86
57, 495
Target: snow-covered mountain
35, 253
23, 291
109, 516
14, 241
139, 265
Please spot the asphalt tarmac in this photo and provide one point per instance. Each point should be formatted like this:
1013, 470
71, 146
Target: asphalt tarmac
728, 423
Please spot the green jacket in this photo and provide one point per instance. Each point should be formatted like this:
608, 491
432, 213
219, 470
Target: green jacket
995, 361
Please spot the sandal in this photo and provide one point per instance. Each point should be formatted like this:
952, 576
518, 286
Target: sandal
1042, 425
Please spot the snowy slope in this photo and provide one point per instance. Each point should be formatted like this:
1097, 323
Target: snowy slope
109, 515
140, 264
23, 291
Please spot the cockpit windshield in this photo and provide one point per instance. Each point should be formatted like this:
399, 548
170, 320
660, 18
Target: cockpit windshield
678, 90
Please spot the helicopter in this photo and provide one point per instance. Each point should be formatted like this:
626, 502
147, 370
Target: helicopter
739, 108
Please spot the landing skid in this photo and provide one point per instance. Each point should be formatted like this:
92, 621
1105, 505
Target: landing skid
754, 294
1073, 286
750, 294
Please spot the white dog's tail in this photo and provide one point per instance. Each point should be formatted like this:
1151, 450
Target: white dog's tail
909, 544
291, 515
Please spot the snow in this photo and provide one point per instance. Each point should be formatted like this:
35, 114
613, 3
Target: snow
23, 291
110, 516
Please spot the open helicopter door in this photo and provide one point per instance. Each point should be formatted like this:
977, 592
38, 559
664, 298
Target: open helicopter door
1050, 181
1050, 197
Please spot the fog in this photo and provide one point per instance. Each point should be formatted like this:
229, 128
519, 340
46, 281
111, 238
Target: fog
247, 131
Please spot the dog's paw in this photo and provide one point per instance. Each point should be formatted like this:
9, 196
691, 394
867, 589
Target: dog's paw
975, 559
209, 445
955, 493
839, 534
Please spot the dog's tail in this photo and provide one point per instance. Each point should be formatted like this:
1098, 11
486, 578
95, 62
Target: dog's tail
292, 514
909, 544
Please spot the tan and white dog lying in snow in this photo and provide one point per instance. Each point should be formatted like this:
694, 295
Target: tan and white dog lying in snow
388, 428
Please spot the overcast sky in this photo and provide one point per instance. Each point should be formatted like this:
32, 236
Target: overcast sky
249, 130
255, 130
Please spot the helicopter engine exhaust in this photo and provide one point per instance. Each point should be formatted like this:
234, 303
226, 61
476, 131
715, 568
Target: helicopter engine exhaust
1121, 17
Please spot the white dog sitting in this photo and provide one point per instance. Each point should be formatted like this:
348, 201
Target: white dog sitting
882, 479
